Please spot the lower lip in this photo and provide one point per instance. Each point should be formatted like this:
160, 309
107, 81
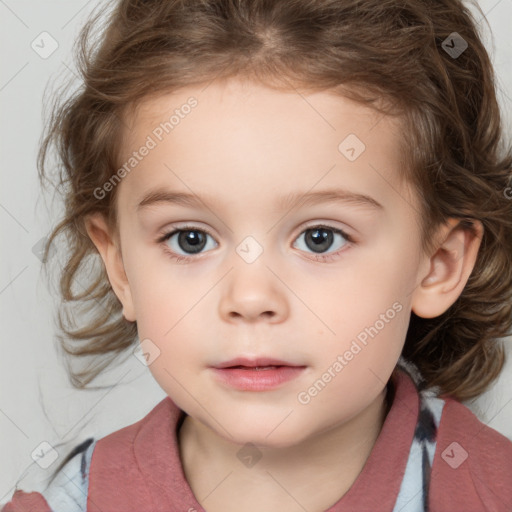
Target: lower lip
257, 380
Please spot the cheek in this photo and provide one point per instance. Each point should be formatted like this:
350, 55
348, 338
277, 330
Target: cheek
373, 340
371, 321
178, 355
377, 296
155, 293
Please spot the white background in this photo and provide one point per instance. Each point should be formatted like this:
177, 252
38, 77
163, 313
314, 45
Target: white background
37, 402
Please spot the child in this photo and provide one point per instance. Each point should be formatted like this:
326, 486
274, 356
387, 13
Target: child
299, 377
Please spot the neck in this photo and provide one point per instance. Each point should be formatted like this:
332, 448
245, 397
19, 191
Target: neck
322, 467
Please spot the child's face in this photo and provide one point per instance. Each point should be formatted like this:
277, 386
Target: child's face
244, 151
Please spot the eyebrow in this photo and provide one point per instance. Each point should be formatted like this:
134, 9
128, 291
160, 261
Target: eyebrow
161, 195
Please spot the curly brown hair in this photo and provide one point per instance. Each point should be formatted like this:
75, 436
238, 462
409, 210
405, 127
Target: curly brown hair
367, 50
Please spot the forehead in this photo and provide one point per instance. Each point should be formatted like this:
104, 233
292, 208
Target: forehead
240, 139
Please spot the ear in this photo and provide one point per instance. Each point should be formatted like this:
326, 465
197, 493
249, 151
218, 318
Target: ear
110, 252
449, 268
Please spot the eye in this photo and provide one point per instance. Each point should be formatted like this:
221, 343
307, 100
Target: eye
192, 241
189, 239
320, 238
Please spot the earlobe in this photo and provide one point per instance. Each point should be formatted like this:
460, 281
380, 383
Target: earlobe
449, 269
110, 253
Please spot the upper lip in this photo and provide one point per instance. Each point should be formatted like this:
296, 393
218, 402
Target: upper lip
252, 362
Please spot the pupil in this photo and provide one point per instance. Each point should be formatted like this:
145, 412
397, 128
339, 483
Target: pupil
322, 239
194, 239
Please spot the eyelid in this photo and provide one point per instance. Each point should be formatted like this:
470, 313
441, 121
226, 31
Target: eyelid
328, 224
192, 225
320, 257
311, 224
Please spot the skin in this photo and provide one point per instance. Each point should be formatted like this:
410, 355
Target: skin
246, 146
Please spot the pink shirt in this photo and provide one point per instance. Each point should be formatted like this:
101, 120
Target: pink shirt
138, 468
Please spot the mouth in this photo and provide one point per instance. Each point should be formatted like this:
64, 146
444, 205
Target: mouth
255, 363
257, 368
256, 374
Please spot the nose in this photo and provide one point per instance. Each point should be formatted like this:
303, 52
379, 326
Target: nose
253, 293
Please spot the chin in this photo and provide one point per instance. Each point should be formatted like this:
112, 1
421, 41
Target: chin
267, 436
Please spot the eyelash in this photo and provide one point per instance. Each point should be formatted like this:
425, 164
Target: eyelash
180, 258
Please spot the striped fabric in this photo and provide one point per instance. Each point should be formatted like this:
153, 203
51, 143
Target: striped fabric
414, 491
